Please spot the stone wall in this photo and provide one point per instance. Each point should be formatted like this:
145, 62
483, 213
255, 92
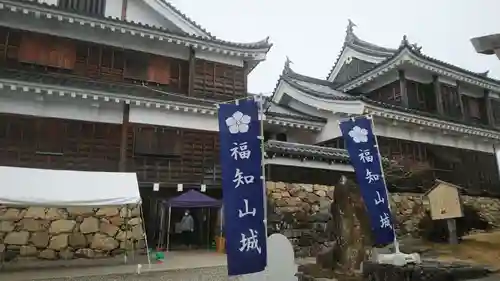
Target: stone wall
67, 233
301, 212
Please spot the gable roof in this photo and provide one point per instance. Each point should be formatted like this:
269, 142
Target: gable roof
388, 56
351, 41
316, 86
326, 90
298, 150
279, 110
416, 57
26, 6
439, 182
191, 22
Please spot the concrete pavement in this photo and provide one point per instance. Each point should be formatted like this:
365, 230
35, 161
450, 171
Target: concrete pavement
218, 273
188, 265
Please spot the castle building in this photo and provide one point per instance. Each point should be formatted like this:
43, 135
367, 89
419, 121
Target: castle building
131, 86
427, 113
117, 85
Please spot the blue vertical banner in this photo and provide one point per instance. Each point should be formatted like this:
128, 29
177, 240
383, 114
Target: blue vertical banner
361, 144
242, 186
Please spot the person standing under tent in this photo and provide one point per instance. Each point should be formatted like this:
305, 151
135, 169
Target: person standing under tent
187, 228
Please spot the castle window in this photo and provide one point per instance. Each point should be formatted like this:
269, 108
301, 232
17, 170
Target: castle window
90, 7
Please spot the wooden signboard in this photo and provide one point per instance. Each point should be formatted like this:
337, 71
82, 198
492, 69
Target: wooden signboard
445, 204
444, 201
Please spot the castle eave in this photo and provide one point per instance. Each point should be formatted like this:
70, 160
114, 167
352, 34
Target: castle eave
411, 57
34, 10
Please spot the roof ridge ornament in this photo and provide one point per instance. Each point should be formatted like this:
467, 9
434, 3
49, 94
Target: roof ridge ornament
416, 48
287, 68
349, 36
404, 42
485, 73
263, 41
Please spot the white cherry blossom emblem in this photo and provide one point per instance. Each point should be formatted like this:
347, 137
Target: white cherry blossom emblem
238, 123
358, 134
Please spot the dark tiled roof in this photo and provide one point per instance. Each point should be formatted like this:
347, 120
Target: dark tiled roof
316, 92
120, 89
373, 67
352, 41
480, 75
287, 70
386, 57
297, 150
212, 39
426, 114
354, 97
185, 17
353, 69
278, 110
327, 88
416, 51
369, 48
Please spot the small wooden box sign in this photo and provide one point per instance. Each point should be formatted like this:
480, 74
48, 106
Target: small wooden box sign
444, 201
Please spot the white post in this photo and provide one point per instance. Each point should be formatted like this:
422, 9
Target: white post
161, 232
262, 117
168, 227
396, 243
221, 220
497, 158
397, 258
125, 257
145, 236
207, 223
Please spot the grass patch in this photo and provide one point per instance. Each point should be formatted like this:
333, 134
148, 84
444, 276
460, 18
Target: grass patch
480, 248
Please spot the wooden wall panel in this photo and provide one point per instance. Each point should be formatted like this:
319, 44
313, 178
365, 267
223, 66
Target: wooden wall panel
495, 108
71, 58
27, 141
218, 82
196, 163
46, 54
451, 101
475, 110
48, 51
390, 93
473, 170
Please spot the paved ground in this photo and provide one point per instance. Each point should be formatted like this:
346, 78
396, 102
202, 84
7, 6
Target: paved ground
177, 266
202, 274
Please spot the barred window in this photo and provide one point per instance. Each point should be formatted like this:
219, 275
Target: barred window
90, 7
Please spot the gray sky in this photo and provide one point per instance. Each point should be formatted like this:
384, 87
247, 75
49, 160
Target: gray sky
311, 32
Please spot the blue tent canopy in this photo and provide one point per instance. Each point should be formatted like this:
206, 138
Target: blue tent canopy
193, 199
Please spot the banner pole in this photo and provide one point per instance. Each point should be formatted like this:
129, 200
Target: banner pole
497, 160
262, 162
396, 242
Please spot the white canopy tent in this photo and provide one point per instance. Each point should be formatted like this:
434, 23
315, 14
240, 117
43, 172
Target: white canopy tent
65, 188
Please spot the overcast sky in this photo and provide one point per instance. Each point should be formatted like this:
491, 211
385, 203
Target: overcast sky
311, 32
